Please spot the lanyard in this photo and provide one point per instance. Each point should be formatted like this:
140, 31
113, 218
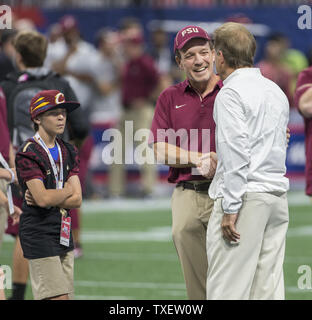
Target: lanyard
58, 178
9, 188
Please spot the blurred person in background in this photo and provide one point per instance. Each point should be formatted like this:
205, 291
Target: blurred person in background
295, 61
303, 101
7, 52
19, 87
57, 46
76, 66
6, 152
107, 71
309, 57
161, 52
7, 171
139, 86
272, 66
76, 61
24, 24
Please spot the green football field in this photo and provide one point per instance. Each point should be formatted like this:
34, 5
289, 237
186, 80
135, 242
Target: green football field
129, 254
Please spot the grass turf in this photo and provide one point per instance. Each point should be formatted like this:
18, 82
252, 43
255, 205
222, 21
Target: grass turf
130, 255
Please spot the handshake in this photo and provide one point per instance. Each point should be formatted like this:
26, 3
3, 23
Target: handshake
207, 164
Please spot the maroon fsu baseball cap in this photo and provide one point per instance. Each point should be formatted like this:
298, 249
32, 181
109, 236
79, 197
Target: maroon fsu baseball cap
48, 99
188, 33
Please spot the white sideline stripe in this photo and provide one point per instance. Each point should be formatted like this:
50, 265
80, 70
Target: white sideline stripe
150, 285
122, 256
302, 260
297, 290
305, 231
174, 293
134, 285
160, 234
126, 256
168, 293
85, 297
295, 198
298, 198
131, 256
125, 205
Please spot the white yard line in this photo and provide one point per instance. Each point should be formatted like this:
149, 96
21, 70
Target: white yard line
129, 285
162, 234
157, 234
295, 198
171, 289
299, 260
125, 205
85, 297
305, 231
297, 290
174, 293
126, 256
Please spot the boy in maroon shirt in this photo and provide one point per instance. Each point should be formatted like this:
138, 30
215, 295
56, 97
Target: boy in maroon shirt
47, 169
187, 108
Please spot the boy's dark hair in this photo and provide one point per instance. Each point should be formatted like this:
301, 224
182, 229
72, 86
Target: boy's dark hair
32, 46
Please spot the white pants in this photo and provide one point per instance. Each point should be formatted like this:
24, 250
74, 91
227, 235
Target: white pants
252, 269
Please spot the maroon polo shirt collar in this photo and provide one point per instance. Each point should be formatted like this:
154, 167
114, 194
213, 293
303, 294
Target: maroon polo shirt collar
187, 86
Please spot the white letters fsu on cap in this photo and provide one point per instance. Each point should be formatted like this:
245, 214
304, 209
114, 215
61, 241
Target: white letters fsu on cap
189, 30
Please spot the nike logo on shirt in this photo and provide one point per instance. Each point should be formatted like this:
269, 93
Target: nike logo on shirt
182, 105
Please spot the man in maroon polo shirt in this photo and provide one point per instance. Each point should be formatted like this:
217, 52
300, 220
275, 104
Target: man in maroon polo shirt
303, 101
187, 109
139, 82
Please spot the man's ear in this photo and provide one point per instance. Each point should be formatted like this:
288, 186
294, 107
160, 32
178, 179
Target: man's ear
213, 51
178, 60
220, 53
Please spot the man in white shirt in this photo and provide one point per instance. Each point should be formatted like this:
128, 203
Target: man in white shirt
247, 229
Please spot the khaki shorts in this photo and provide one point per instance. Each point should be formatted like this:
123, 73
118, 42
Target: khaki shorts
3, 212
52, 276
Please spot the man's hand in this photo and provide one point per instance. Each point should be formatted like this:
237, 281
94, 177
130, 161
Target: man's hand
6, 174
228, 227
16, 215
29, 199
287, 136
207, 165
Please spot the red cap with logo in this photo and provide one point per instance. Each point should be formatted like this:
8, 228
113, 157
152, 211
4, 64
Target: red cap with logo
188, 33
68, 22
49, 99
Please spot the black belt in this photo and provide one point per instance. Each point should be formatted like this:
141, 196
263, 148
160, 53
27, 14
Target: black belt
198, 187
